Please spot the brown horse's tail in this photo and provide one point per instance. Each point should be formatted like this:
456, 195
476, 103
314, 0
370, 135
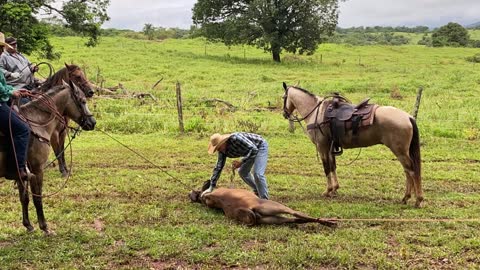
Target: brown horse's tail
414, 150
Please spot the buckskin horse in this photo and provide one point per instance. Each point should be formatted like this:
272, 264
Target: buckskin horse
44, 115
70, 73
336, 124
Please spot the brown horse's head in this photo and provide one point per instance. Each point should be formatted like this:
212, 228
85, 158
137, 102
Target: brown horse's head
76, 108
76, 75
70, 73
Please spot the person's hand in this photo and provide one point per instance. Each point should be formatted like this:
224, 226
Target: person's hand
209, 190
15, 75
34, 68
20, 93
16, 94
236, 164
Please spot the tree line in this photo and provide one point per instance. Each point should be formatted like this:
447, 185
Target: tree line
275, 26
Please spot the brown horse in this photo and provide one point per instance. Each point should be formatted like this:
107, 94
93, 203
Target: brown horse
45, 114
70, 73
391, 127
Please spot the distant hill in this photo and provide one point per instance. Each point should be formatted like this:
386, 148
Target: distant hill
474, 25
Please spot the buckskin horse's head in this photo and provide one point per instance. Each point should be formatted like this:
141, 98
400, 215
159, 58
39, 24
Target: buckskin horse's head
78, 110
288, 106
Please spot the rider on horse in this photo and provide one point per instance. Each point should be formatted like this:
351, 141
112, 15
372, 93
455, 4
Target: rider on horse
18, 70
10, 123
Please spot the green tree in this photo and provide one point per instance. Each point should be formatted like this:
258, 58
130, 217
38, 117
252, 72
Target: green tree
18, 19
452, 34
148, 30
274, 25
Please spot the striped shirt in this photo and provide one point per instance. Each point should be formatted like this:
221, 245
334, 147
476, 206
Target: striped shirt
240, 144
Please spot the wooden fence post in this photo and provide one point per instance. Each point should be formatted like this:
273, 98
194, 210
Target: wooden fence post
179, 107
417, 102
291, 126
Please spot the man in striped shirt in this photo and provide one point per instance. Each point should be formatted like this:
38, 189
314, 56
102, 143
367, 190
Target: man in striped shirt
254, 152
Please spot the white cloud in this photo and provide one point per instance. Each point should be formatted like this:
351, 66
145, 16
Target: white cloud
134, 14
408, 12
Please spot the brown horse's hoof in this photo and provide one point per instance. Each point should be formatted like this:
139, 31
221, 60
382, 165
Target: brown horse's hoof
30, 229
418, 204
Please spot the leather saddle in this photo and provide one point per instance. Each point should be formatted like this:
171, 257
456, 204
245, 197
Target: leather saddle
342, 116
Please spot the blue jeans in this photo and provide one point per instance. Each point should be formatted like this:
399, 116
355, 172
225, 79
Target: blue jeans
258, 182
21, 136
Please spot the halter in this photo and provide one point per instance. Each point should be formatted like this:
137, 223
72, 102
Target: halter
84, 115
81, 84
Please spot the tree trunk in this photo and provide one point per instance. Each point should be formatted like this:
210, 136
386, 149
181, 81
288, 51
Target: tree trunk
276, 55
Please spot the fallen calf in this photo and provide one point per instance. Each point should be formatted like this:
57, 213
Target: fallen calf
245, 207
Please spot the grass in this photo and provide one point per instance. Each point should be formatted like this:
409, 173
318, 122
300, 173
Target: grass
120, 212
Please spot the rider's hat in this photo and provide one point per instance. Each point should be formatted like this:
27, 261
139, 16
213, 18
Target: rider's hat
2, 41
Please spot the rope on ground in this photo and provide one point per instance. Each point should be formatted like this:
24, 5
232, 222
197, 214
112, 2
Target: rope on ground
424, 220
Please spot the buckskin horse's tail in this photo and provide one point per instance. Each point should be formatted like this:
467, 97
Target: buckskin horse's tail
414, 151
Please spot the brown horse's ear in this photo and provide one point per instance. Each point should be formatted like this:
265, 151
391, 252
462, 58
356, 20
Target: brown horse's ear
67, 66
285, 86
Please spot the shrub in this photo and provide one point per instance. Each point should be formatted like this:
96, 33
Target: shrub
474, 59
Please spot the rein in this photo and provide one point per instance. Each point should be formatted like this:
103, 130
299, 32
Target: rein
25, 185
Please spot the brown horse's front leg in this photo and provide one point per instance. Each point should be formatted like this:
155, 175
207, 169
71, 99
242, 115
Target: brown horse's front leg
24, 200
58, 143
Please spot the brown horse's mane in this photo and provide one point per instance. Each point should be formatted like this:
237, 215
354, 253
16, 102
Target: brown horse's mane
56, 79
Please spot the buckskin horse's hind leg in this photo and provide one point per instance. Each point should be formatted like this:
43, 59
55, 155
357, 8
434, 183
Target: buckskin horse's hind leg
24, 200
406, 162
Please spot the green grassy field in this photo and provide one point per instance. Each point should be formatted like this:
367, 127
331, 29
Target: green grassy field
120, 212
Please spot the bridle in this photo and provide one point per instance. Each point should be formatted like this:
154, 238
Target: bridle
81, 108
82, 84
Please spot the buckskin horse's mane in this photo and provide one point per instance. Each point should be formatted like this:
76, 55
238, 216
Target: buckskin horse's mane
38, 103
56, 79
305, 91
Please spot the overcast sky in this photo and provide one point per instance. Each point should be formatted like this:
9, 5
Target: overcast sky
133, 14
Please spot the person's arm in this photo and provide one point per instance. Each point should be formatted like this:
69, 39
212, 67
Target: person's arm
4, 65
6, 90
222, 158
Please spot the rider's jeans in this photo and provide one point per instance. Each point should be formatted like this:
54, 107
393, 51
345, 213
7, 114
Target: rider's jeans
20, 133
